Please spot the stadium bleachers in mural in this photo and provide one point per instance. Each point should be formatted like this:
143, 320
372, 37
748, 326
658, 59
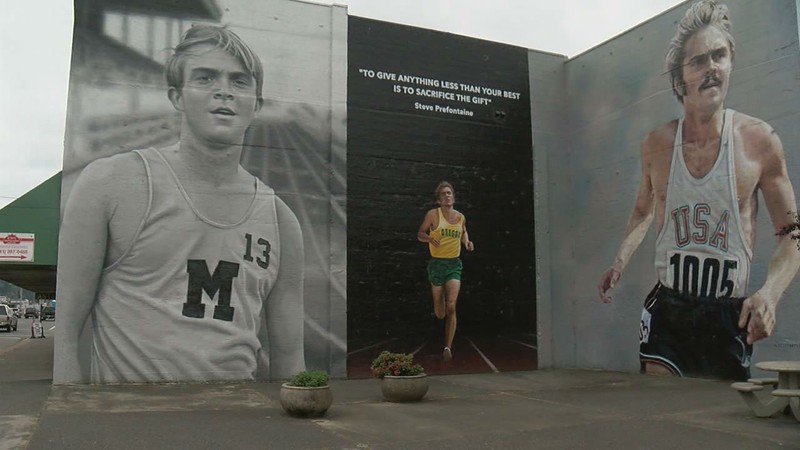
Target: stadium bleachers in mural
117, 82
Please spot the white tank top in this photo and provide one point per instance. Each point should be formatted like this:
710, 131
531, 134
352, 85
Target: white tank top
184, 302
701, 250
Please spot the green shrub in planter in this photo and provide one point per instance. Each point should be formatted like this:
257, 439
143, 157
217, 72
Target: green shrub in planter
395, 364
310, 378
307, 394
401, 379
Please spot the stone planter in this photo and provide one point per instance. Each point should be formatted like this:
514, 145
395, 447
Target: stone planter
306, 401
404, 389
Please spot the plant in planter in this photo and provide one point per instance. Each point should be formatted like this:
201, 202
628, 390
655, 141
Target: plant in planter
307, 394
401, 379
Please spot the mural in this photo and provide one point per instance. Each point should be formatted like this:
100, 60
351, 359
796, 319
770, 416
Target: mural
426, 106
198, 212
204, 213
701, 175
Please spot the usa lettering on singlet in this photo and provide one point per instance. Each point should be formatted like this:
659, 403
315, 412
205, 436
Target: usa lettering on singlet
449, 236
701, 249
184, 302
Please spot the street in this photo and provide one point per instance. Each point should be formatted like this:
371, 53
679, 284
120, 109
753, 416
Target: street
7, 339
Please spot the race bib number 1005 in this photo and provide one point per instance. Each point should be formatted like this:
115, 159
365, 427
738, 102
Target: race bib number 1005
702, 275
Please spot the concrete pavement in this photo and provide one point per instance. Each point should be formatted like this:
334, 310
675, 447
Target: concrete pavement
545, 409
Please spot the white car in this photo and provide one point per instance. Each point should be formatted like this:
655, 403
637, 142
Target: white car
8, 319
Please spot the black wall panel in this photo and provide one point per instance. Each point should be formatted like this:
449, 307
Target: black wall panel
398, 152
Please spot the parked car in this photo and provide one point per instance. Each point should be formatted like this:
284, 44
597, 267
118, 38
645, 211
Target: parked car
31, 312
7, 318
48, 312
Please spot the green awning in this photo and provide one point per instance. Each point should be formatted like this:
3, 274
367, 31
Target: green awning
36, 213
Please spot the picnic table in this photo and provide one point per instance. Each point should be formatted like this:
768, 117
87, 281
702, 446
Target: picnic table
788, 382
785, 389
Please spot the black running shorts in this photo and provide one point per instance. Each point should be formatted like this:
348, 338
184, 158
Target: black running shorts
693, 336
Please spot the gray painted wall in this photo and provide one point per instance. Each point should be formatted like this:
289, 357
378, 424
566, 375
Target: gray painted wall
548, 109
616, 92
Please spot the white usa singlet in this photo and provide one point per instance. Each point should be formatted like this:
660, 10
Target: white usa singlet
184, 302
701, 250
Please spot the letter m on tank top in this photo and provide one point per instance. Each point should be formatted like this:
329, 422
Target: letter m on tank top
219, 283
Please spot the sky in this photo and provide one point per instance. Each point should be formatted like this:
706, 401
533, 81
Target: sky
35, 41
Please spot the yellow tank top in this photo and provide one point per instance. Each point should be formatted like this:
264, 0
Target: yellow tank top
449, 236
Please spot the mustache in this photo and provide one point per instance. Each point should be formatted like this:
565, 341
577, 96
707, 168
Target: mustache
710, 80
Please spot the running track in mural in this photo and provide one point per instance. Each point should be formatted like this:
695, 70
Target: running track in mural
471, 354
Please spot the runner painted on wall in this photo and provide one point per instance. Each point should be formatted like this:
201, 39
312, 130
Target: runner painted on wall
700, 179
185, 266
444, 230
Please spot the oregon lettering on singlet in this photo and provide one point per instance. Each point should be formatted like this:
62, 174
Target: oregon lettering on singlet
449, 236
